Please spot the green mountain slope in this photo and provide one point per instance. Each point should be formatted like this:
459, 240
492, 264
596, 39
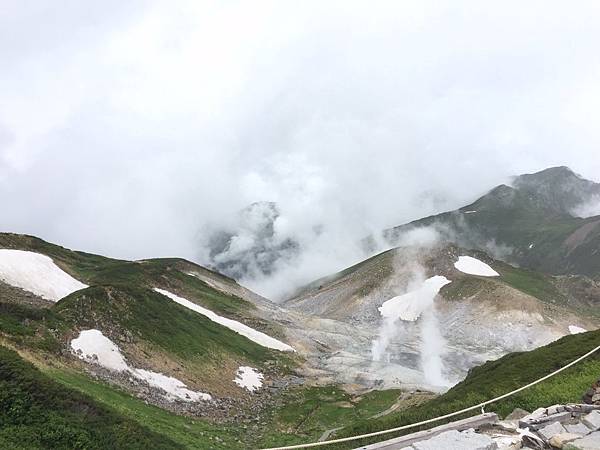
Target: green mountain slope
152, 331
530, 223
38, 413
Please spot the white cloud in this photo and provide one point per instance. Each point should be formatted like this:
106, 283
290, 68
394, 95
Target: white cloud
124, 128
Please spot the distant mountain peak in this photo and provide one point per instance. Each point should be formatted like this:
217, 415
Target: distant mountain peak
557, 188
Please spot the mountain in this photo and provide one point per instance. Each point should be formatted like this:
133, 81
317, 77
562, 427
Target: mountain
531, 224
495, 378
165, 353
216, 359
472, 318
166, 328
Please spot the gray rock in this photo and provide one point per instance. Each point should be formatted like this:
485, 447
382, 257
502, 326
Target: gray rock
455, 440
517, 414
555, 409
537, 424
551, 430
592, 420
589, 442
577, 428
559, 440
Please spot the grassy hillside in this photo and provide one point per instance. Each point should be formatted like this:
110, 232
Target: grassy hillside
149, 316
153, 331
187, 432
495, 378
36, 413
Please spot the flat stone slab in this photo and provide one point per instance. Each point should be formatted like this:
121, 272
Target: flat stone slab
589, 442
456, 440
592, 420
577, 428
407, 440
551, 430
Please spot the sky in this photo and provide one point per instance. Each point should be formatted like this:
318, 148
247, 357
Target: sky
128, 128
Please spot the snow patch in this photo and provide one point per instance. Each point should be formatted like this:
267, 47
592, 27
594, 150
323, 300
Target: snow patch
172, 386
92, 346
248, 378
574, 329
36, 273
252, 334
469, 212
473, 266
530, 246
412, 304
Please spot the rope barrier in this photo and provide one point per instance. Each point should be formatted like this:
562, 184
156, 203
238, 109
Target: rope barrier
436, 419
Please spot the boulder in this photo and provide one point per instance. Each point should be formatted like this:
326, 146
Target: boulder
559, 440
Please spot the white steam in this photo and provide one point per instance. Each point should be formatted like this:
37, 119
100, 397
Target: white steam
415, 308
433, 348
588, 209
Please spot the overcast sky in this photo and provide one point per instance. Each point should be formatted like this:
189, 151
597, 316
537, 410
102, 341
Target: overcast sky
127, 126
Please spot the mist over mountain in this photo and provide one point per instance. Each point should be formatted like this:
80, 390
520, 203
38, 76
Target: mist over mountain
157, 120
255, 245
235, 224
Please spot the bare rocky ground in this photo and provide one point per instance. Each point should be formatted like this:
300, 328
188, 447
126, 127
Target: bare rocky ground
248, 408
17, 295
334, 322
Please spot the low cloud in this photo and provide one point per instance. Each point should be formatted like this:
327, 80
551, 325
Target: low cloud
138, 130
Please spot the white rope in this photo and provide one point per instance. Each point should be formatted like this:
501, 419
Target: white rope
435, 419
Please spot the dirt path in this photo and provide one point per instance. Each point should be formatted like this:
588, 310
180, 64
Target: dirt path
328, 433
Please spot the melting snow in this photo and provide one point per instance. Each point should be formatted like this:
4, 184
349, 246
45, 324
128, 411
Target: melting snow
473, 266
410, 306
248, 378
574, 329
95, 347
469, 212
252, 334
92, 346
36, 273
174, 387
530, 246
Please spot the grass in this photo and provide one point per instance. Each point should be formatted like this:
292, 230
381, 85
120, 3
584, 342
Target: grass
307, 412
501, 376
38, 413
150, 316
187, 432
533, 283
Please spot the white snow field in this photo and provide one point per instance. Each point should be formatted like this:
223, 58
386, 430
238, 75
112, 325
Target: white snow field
97, 348
411, 305
574, 329
174, 387
249, 378
92, 346
36, 273
472, 266
252, 334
